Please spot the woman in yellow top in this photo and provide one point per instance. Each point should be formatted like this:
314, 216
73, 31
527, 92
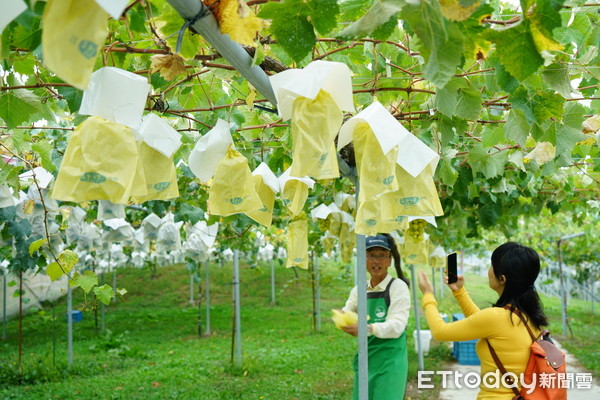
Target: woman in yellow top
512, 275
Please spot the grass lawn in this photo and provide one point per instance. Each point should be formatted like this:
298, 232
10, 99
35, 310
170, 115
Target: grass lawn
151, 347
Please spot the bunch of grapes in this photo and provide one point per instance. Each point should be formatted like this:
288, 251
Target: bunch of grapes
415, 230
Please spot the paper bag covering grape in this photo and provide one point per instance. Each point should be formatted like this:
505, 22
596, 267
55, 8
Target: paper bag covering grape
297, 246
294, 195
315, 124
158, 172
73, 33
232, 190
100, 163
416, 248
263, 215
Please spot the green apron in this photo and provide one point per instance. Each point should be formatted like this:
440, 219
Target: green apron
388, 360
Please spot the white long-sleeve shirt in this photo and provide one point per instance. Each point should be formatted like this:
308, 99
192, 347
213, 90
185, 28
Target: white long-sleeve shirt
398, 311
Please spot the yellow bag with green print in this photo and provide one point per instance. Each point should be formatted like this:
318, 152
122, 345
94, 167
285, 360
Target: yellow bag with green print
415, 196
100, 163
315, 124
264, 215
74, 33
159, 174
232, 190
294, 195
297, 246
415, 252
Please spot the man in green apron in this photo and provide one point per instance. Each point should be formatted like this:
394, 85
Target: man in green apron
388, 307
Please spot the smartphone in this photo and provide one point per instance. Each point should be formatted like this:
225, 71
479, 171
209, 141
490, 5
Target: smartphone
451, 268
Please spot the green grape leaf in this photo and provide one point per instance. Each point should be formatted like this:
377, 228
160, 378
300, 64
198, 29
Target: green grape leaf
469, 104
574, 115
490, 164
492, 135
35, 246
446, 97
8, 214
292, 23
566, 138
122, 292
85, 281
442, 41
448, 175
9, 174
44, 149
104, 293
517, 159
73, 97
489, 214
557, 77
377, 16
18, 106
19, 229
516, 50
505, 80
517, 128
547, 104
545, 15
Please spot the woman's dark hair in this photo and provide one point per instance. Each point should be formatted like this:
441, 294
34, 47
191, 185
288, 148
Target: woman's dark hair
397, 260
520, 266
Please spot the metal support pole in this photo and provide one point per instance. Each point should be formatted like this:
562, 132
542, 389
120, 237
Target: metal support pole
102, 310
114, 299
591, 291
361, 285
4, 309
237, 358
191, 287
272, 281
318, 293
207, 285
416, 314
70, 324
563, 294
235, 54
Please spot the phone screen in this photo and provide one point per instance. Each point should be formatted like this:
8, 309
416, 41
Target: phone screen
451, 268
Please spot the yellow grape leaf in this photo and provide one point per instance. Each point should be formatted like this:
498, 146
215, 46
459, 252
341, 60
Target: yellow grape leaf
35, 246
454, 11
239, 21
54, 271
28, 206
542, 153
68, 259
591, 124
251, 97
169, 65
542, 42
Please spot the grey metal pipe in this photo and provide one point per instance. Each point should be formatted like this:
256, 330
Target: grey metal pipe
4, 309
237, 359
70, 324
207, 285
417, 321
361, 284
272, 281
233, 52
318, 293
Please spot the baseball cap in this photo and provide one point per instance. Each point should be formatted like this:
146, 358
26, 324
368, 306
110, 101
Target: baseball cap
378, 241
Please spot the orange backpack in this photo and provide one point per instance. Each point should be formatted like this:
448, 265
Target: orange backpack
546, 368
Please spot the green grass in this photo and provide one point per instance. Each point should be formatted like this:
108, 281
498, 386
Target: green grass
152, 349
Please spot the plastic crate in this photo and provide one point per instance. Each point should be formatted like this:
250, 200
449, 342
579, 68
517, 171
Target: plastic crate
75, 314
464, 352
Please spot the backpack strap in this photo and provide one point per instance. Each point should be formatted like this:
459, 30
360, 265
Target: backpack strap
520, 315
500, 366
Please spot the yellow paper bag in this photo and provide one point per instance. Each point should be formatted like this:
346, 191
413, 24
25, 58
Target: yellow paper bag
297, 246
159, 174
263, 215
415, 252
347, 243
232, 190
369, 219
315, 124
415, 196
376, 171
100, 163
73, 33
294, 195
